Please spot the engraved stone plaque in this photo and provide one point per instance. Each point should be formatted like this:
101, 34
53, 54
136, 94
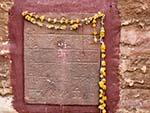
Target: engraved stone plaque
60, 67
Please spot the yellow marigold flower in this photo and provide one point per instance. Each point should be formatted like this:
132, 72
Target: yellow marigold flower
103, 111
94, 25
74, 26
66, 21
102, 70
95, 39
50, 26
101, 83
33, 20
96, 16
36, 16
24, 13
101, 107
77, 20
42, 18
102, 74
102, 32
103, 47
103, 80
100, 14
101, 101
62, 20
71, 21
49, 19
103, 55
94, 21
31, 14
100, 95
104, 105
104, 98
63, 27
27, 17
54, 20
101, 91
103, 63
104, 87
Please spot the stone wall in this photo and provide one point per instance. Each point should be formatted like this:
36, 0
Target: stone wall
134, 57
5, 86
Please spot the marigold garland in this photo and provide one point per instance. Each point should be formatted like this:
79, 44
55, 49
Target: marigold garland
73, 24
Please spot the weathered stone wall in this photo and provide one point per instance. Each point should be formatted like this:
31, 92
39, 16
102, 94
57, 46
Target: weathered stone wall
5, 86
134, 57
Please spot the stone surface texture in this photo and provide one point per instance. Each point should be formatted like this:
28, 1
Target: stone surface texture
134, 57
75, 59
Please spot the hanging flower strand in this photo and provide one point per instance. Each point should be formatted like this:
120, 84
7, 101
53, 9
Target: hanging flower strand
102, 82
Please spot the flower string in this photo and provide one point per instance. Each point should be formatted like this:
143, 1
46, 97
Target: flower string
102, 82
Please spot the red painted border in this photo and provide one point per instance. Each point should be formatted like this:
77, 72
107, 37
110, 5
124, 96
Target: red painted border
16, 26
